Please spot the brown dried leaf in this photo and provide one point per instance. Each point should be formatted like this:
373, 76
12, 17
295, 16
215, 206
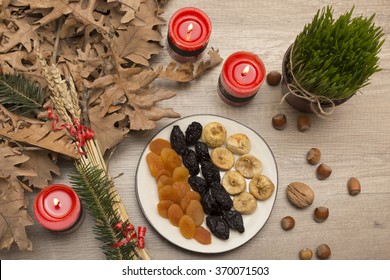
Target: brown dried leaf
9, 159
129, 7
43, 165
187, 72
13, 217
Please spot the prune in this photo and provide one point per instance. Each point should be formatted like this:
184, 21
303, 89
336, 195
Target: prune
210, 205
198, 184
221, 196
218, 226
193, 133
190, 160
202, 151
234, 220
178, 140
210, 172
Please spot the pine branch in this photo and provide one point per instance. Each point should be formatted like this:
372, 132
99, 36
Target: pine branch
93, 188
18, 92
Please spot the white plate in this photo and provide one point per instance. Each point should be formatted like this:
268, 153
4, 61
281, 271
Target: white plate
147, 194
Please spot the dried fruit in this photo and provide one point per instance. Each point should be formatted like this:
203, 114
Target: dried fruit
303, 123
202, 151
323, 252
261, 187
238, 144
190, 160
182, 188
180, 173
210, 205
158, 144
300, 194
234, 220
198, 184
210, 172
221, 196
313, 156
214, 134
233, 182
321, 214
353, 186
245, 203
195, 211
164, 180
169, 193
248, 165
163, 206
273, 78
305, 254
202, 235
191, 195
218, 226
279, 121
222, 158
175, 214
193, 133
154, 163
187, 227
178, 140
170, 158
288, 223
323, 171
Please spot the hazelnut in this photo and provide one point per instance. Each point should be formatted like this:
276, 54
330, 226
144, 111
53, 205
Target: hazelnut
321, 214
353, 186
273, 78
313, 156
323, 252
323, 171
279, 121
288, 223
303, 123
305, 254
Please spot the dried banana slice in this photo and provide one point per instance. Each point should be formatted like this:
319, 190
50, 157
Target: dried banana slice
233, 182
238, 144
261, 187
214, 134
222, 158
249, 165
245, 203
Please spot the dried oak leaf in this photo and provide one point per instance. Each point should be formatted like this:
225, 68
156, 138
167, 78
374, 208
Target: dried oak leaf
129, 7
13, 217
188, 71
43, 165
10, 158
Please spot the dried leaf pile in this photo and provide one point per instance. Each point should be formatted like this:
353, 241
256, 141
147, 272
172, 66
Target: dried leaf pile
105, 47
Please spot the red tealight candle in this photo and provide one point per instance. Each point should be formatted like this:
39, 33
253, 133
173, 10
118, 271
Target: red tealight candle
241, 77
189, 31
58, 208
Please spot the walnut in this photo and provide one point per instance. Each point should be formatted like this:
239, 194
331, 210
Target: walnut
300, 194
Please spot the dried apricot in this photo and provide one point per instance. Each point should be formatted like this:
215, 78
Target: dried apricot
162, 172
190, 195
195, 211
180, 173
187, 227
162, 207
182, 188
154, 163
175, 214
169, 193
158, 144
170, 158
202, 235
164, 180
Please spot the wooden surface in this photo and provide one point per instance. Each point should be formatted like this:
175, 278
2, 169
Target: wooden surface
355, 141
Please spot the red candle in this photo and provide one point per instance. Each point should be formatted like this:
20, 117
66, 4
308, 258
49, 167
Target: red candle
58, 208
241, 77
189, 31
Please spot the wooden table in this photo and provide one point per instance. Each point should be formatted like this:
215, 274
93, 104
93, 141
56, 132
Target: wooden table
354, 141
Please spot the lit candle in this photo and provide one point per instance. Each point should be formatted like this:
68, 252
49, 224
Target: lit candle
241, 77
189, 31
58, 208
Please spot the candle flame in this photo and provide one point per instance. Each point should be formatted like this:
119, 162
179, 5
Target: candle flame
190, 27
56, 202
245, 71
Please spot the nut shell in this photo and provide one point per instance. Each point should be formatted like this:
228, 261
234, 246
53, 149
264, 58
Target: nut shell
321, 213
354, 186
323, 252
300, 194
323, 171
313, 156
287, 223
305, 254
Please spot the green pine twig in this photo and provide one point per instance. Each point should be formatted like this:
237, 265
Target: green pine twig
19, 93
